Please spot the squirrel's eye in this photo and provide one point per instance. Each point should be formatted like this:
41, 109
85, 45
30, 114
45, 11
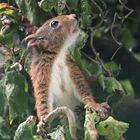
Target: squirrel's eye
54, 24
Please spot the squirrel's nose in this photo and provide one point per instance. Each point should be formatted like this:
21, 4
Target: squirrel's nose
74, 16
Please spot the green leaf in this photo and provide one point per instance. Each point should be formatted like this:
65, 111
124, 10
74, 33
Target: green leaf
112, 129
61, 6
58, 134
8, 32
137, 56
6, 133
101, 80
31, 9
48, 5
73, 5
67, 120
9, 36
75, 49
1, 60
99, 32
127, 38
113, 67
126, 84
86, 14
16, 93
25, 130
89, 66
113, 85
3, 99
92, 67
110, 84
91, 118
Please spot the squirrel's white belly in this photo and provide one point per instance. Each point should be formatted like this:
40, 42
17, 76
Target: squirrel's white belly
62, 90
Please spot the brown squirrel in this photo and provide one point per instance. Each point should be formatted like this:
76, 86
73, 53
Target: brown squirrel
57, 80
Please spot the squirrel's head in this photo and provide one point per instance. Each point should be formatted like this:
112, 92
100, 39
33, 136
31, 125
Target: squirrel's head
58, 32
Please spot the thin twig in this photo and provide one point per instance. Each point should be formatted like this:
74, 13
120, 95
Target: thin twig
104, 4
112, 57
103, 13
87, 56
96, 54
127, 8
100, 15
23, 56
116, 15
68, 7
111, 30
97, 5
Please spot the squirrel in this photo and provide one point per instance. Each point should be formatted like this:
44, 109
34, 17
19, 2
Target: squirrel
56, 79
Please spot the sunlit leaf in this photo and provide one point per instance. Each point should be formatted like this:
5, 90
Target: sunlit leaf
101, 80
112, 129
127, 87
91, 119
58, 134
25, 130
7, 9
113, 67
137, 56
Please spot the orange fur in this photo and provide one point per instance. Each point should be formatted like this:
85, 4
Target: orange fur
50, 55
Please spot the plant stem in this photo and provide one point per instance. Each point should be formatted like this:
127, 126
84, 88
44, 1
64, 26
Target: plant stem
96, 54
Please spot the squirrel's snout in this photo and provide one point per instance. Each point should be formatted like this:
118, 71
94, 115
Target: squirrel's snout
28, 40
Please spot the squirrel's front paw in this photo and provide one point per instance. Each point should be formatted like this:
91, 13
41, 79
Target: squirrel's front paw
102, 109
41, 129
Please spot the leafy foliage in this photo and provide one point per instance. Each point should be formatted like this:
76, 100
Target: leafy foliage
25, 130
110, 84
107, 51
109, 126
91, 119
16, 87
31, 10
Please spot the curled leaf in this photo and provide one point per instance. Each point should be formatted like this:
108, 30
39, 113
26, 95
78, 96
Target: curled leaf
91, 119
